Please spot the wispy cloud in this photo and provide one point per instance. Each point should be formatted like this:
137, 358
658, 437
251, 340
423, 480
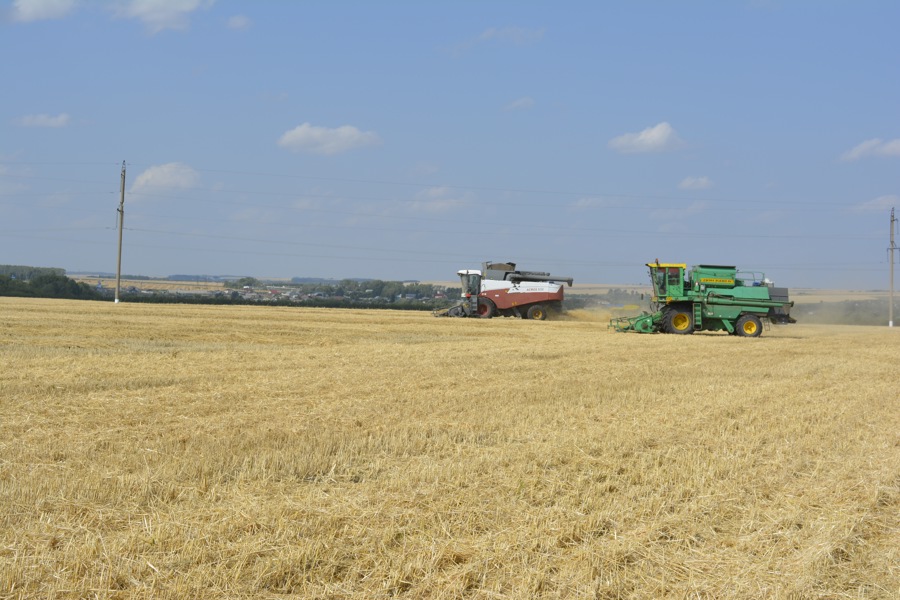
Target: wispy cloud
659, 138
523, 103
239, 22
157, 15
677, 214
880, 204
424, 169
166, 177
8, 186
26, 11
60, 120
873, 147
440, 200
511, 36
323, 140
257, 216
519, 36
314, 203
695, 183
588, 202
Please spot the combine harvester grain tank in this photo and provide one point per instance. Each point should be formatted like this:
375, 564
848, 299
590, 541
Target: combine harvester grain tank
709, 298
498, 289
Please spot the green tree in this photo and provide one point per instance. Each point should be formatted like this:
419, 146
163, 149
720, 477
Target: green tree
13, 287
377, 287
60, 286
244, 282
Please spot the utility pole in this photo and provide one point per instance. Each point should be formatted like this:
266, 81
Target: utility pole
121, 226
891, 250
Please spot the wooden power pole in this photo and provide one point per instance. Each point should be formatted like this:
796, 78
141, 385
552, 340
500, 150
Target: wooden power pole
891, 249
121, 226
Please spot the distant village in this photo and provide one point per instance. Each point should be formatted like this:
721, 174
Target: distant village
297, 291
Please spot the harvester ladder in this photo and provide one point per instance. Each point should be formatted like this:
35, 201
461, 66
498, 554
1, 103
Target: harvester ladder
698, 315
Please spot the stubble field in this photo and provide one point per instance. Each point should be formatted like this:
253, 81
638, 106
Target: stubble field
175, 452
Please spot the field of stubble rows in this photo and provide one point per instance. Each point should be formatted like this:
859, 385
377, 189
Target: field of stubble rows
176, 452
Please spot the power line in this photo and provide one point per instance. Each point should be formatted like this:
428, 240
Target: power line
590, 195
468, 258
392, 211
566, 230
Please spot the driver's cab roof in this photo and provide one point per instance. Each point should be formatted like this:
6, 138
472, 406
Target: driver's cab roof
469, 272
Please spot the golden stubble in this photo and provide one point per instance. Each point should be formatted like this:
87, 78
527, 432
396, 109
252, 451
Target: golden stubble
167, 451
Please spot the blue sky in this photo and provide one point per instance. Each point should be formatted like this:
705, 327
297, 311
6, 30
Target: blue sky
406, 140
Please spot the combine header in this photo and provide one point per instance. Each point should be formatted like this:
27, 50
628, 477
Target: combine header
500, 290
711, 298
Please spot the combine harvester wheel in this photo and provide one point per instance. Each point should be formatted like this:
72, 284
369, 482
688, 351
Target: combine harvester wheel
748, 326
679, 320
537, 312
486, 308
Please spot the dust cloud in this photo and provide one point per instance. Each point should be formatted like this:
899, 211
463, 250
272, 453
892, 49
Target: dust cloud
585, 315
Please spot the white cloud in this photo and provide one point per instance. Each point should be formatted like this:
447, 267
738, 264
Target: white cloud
158, 15
695, 183
658, 138
879, 204
26, 11
873, 147
164, 178
239, 22
520, 104
60, 120
322, 140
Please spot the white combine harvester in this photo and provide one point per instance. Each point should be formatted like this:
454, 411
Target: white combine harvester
498, 289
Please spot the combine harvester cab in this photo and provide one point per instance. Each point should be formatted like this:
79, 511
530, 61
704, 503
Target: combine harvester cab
498, 289
709, 298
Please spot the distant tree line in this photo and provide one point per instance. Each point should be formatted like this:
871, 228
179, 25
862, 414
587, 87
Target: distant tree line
354, 289
47, 285
237, 299
28, 273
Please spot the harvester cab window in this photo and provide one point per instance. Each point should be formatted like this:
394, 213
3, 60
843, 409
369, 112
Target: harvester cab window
674, 276
659, 281
666, 277
471, 284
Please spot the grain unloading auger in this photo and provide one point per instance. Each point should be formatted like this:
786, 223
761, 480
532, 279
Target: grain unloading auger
500, 290
710, 298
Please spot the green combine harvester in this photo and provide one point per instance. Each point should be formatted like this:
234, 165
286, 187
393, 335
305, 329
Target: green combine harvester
710, 298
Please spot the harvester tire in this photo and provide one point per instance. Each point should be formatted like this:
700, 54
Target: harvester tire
679, 321
748, 326
537, 312
485, 308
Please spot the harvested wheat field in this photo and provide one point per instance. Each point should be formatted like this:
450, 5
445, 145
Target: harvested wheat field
185, 452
